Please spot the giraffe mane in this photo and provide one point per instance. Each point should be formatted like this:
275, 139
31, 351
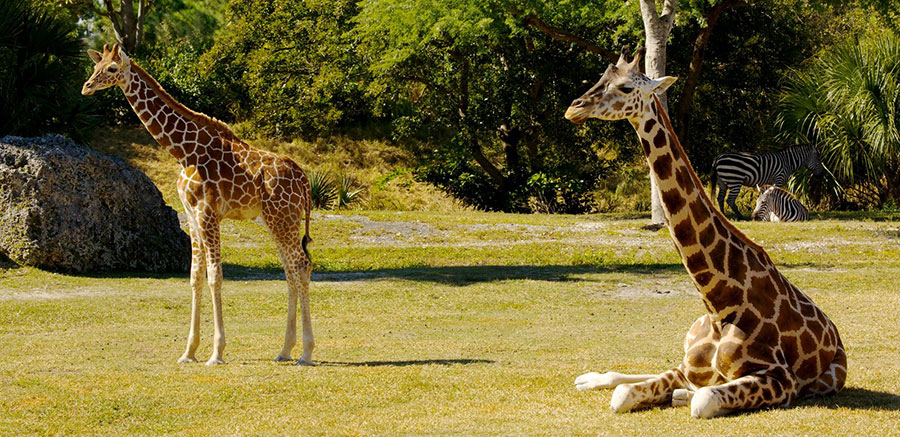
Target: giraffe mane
677, 146
222, 129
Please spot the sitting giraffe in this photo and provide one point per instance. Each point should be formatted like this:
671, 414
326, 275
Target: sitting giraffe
221, 178
762, 343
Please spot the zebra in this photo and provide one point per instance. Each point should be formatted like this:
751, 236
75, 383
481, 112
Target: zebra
777, 205
732, 170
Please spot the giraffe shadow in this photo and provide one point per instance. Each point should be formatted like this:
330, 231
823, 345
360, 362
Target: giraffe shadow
855, 398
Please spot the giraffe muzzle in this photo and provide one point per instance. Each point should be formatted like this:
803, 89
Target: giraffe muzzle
87, 89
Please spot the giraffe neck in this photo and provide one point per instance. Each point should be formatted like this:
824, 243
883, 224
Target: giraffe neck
183, 132
721, 260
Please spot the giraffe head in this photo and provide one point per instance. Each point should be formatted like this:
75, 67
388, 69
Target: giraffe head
620, 94
110, 68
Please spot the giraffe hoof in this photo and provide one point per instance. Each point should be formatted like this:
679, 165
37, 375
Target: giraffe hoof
186, 359
302, 362
281, 358
215, 362
705, 405
681, 397
622, 401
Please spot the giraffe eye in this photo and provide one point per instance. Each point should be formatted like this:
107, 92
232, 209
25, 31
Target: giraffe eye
112, 69
625, 89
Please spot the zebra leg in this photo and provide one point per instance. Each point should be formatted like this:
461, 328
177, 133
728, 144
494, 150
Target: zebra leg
723, 189
732, 196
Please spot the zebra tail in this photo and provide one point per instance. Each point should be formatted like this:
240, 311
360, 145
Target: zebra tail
713, 184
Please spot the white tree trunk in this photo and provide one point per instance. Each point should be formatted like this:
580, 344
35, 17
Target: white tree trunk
656, 31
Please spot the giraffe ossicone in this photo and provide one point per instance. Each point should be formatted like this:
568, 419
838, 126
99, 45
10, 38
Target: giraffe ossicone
762, 343
221, 178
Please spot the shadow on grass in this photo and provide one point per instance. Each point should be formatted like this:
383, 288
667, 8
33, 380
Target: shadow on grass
459, 275
856, 398
462, 361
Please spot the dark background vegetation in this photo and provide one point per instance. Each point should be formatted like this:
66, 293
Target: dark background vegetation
475, 89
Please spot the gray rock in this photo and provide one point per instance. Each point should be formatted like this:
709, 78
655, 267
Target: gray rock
64, 207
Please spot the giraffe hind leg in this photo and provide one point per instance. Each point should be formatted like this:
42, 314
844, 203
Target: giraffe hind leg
832, 380
289, 237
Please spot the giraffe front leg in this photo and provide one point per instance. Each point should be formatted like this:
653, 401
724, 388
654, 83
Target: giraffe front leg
209, 229
775, 387
198, 279
654, 391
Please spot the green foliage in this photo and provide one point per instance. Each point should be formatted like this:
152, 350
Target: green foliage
467, 77
288, 68
40, 73
847, 103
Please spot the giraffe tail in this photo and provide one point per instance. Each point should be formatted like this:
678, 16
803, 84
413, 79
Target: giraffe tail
306, 239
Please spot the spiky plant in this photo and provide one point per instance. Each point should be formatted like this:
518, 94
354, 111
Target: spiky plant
348, 192
322, 189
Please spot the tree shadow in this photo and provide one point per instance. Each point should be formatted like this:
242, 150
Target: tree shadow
460, 275
440, 362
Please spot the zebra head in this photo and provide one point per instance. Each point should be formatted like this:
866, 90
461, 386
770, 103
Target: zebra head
763, 209
813, 162
623, 92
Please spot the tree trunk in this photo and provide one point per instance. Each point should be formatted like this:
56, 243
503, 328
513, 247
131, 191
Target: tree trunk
127, 25
656, 29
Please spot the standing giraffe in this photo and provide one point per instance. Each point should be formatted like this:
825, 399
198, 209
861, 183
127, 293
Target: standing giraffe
762, 342
221, 178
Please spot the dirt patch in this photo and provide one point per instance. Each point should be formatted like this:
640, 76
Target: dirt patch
384, 232
654, 286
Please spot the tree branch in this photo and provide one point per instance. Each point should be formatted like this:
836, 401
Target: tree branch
562, 35
463, 109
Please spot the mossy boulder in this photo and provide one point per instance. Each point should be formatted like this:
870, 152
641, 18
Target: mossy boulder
67, 208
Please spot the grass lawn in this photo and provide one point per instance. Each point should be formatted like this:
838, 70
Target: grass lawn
463, 323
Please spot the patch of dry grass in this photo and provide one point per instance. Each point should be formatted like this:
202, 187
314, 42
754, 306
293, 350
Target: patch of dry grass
381, 169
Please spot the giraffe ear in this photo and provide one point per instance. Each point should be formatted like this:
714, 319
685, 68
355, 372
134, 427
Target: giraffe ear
660, 85
758, 189
95, 55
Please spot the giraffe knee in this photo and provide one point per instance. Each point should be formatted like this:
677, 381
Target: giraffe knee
623, 399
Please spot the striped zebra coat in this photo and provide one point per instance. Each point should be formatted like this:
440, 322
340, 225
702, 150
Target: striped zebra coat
733, 170
777, 205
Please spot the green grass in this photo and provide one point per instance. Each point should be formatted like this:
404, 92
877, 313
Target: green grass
437, 323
